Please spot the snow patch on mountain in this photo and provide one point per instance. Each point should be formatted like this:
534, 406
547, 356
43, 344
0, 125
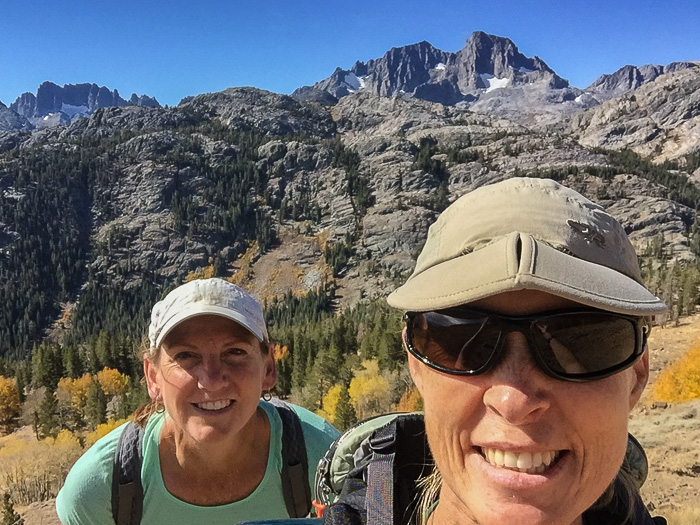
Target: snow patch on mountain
352, 82
493, 82
72, 111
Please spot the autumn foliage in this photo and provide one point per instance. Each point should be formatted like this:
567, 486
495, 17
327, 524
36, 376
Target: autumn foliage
681, 381
9, 400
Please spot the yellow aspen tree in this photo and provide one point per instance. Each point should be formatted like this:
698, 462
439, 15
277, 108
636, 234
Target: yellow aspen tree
9, 400
329, 406
369, 391
112, 381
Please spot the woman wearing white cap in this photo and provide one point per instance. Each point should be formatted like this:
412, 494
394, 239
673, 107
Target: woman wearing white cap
212, 449
526, 327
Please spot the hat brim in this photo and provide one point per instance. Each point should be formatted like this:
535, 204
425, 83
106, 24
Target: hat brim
520, 261
207, 309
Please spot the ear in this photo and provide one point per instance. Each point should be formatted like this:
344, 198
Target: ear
270, 377
414, 366
150, 372
641, 376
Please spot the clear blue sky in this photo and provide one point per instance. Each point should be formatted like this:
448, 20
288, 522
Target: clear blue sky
170, 49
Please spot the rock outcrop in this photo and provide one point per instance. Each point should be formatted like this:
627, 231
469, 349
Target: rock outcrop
11, 120
660, 120
629, 78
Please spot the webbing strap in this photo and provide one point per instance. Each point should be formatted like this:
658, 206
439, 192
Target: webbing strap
127, 492
379, 501
294, 476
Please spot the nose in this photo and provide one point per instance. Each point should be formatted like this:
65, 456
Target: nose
518, 390
212, 375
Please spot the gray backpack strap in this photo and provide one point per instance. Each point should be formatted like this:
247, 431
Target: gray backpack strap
295, 464
127, 491
379, 501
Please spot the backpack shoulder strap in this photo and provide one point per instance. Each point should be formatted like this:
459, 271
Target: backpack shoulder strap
295, 464
127, 491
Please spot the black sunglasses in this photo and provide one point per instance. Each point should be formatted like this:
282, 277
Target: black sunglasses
579, 345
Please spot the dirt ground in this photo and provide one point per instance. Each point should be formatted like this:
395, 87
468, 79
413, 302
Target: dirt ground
670, 434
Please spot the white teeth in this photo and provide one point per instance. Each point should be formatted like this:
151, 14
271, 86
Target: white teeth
529, 462
214, 405
524, 461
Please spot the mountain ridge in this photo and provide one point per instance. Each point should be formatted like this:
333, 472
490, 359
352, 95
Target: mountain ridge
54, 104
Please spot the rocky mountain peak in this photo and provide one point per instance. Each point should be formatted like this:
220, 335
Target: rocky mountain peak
54, 104
629, 78
490, 61
486, 63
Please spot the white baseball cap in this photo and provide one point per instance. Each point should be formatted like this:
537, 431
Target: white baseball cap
206, 297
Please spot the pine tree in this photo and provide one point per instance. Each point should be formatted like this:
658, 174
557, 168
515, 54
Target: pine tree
9, 516
48, 411
72, 363
96, 404
344, 412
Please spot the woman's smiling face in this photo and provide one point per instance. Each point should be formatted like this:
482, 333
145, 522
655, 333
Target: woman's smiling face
209, 374
514, 445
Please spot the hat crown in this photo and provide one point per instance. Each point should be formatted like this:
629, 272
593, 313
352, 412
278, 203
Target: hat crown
543, 208
206, 297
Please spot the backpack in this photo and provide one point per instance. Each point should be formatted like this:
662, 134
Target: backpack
370, 474
127, 491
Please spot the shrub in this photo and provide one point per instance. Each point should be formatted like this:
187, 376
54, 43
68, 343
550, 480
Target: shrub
102, 430
681, 381
35, 470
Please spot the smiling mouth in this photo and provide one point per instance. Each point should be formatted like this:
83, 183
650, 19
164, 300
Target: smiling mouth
527, 462
214, 405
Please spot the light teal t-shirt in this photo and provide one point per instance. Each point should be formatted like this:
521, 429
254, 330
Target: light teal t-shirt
86, 496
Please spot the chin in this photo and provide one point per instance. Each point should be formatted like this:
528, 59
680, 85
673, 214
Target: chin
522, 514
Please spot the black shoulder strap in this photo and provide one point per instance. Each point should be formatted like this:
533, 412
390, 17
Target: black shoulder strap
127, 491
295, 465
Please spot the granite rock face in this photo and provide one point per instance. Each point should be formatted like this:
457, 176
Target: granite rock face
660, 120
11, 120
629, 78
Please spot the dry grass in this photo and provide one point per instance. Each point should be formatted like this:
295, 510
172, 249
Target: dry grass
35, 470
685, 516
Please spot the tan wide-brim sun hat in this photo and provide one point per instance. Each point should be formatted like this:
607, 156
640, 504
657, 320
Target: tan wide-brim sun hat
526, 233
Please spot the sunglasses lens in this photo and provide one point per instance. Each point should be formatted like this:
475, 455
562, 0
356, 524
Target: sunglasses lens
579, 344
575, 346
461, 344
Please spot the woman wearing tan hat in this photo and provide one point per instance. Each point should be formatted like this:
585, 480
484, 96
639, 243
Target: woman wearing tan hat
526, 326
212, 450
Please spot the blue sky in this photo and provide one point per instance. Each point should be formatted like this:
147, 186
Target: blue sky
170, 49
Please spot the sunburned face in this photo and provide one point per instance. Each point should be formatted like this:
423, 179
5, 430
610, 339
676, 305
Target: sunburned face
209, 374
516, 446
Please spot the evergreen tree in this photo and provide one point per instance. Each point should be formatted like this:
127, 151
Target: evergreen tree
344, 413
48, 412
72, 363
9, 516
96, 405
20, 387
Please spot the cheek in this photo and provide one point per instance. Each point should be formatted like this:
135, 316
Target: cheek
453, 408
